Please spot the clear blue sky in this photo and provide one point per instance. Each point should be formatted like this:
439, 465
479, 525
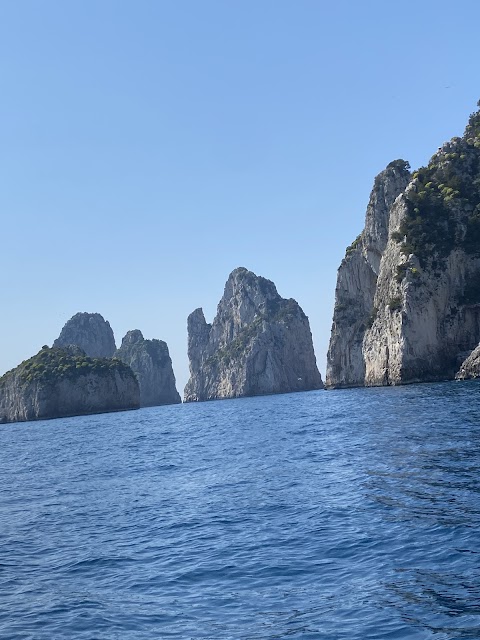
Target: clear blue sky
149, 147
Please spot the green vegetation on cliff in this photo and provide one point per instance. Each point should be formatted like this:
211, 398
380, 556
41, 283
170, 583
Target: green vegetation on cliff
54, 364
278, 310
444, 201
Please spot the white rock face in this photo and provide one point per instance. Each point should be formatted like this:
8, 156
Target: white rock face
258, 343
407, 305
151, 363
91, 333
357, 282
470, 367
427, 336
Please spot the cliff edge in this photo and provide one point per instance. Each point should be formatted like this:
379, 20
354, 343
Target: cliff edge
407, 304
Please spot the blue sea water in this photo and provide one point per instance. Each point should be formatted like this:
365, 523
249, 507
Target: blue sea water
333, 515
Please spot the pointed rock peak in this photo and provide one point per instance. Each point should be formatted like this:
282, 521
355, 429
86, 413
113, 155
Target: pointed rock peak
238, 272
197, 316
399, 166
241, 274
388, 185
258, 343
242, 279
198, 331
132, 337
89, 331
151, 363
196, 320
390, 182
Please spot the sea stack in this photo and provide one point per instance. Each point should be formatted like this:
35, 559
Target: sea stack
259, 343
91, 333
407, 304
151, 363
65, 382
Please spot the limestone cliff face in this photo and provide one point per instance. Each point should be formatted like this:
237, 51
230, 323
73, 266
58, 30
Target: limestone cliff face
412, 313
65, 382
357, 281
470, 368
258, 343
91, 333
151, 363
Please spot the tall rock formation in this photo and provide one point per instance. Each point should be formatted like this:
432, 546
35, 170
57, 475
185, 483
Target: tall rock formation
91, 333
407, 305
258, 343
65, 382
151, 363
357, 281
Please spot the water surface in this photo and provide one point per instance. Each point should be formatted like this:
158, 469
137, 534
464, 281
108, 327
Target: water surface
333, 515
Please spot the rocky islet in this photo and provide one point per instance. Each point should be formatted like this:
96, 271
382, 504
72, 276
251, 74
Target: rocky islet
407, 309
76, 377
259, 343
60, 382
149, 359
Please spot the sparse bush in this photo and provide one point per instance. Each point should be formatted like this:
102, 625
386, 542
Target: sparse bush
395, 304
350, 249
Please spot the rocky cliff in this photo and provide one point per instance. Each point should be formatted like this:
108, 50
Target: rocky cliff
258, 343
357, 281
65, 382
470, 368
407, 305
151, 363
91, 333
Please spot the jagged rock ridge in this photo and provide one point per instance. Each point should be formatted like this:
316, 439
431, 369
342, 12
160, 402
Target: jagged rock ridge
60, 382
151, 363
407, 305
90, 332
259, 343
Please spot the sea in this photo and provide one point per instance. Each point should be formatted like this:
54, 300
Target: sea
349, 514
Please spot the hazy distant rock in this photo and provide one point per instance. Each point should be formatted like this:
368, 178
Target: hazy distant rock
60, 382
90, 332
150, 361
259, 343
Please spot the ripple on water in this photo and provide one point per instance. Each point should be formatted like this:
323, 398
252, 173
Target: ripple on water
350, 514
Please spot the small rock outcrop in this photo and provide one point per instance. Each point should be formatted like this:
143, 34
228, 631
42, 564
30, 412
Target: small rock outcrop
91, 333
57, 383
259, 343
407, 305
470, 368
151, 363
